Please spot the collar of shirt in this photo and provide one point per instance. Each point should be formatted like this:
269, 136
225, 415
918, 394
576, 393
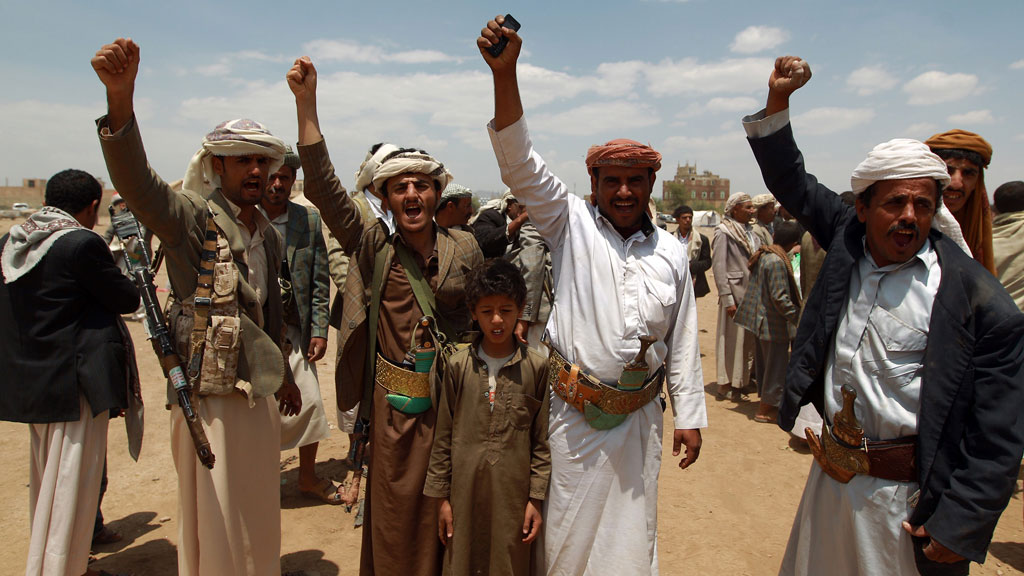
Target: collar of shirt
926, 255
645, 232
260, 218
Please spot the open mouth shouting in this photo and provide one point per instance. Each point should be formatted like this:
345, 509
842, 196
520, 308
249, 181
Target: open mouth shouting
903, 235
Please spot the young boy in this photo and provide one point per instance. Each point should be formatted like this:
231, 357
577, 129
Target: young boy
770, 311
490, 463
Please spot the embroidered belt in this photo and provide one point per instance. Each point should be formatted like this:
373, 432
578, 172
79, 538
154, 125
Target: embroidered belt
888, 459
580, 389
398, 380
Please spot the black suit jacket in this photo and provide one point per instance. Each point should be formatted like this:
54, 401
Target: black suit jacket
700, 266
59, 335
489, 229
970, 435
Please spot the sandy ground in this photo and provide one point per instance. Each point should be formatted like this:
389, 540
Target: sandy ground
730, 513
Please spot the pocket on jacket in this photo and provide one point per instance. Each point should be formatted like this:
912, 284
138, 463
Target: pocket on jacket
522, 410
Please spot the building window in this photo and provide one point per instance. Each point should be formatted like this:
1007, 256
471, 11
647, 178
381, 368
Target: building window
721, 195
693, 194
704, 195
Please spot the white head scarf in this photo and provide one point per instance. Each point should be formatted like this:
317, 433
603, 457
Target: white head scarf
902, 159
240, 137
762, 200
408, 160
364, 176
735, 200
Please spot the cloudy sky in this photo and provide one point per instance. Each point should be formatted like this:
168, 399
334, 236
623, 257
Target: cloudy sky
677, 74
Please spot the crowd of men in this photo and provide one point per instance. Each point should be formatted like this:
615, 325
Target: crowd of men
907, 349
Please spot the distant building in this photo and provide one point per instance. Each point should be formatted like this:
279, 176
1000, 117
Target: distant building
32, 191
700, 187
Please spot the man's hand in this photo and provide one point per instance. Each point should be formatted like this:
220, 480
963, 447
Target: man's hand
730, 311
445, 523
522, 330
117, 65
532, 520
302, 82
317, 348
516, 224
789, 74
934, 551
288, 396
489, 36
691, 439
302, 79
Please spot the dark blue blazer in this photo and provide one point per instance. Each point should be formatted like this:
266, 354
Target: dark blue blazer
970, 433
59, 336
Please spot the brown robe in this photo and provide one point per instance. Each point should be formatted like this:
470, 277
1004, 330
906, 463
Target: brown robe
490, 463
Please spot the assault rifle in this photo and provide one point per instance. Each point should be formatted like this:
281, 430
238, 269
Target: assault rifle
126, 227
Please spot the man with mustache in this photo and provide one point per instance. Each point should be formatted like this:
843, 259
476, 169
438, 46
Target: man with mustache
223, 258
911, 352
967, 155
306, 293
393, 280
618, 278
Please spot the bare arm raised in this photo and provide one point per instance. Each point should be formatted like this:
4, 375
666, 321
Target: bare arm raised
508, 107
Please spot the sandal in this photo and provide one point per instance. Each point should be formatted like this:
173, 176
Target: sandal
764, 418
325, 492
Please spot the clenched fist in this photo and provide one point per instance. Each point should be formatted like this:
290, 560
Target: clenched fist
117, 65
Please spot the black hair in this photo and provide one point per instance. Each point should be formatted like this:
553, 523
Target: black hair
787, 232
72, 191
495, 277
680, 210
961, 153
848, 198
1009, 197
869, 193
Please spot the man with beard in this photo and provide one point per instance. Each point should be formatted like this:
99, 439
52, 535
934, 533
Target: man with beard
223, 258
764, 219
305, 292
393, 281
620, 282
733, 245
912, 353
455, 208
967, 155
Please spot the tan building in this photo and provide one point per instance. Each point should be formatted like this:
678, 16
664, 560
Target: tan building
699, 187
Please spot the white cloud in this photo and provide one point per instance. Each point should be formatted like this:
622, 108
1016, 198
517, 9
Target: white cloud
870, 80
820, 121
596, 118
758, 39
935, 87
738, 104
1018, 65
921, 130
227, 63
345, 51
972, 117
688, 76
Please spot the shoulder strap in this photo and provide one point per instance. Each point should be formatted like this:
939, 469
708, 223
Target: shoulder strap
203, 299
376, 287
421, 289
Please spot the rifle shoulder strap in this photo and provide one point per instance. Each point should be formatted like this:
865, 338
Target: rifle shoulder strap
203, 300
421, 288
376, 288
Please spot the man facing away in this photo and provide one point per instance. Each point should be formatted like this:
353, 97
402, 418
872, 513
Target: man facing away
223, 258
910, 351
305, 293
67, 360
393, 281
1008, 238
617, 278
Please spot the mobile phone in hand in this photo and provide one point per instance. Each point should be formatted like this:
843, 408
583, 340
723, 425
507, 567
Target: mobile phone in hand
510, 23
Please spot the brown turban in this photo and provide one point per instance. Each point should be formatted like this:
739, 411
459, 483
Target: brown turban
976, 217
622, 152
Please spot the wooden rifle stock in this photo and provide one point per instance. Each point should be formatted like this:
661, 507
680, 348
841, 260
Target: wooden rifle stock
357, 454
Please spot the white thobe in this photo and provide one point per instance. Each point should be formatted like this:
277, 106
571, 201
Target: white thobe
601, 511
855, 528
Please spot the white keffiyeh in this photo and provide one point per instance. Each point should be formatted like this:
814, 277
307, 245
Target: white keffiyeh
241, 137
31, 240
409, 161
901, 159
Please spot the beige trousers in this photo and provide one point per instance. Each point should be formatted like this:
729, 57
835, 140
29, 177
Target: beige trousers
64, 489
229, 518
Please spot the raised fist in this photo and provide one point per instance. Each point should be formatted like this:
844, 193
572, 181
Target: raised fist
117, 65
490, 35
302, 78
789, 74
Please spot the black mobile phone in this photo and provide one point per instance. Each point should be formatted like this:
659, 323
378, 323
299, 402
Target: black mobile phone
510, 23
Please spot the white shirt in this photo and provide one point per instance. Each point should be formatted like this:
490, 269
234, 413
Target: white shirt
880, 343
377, 206
609, 290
